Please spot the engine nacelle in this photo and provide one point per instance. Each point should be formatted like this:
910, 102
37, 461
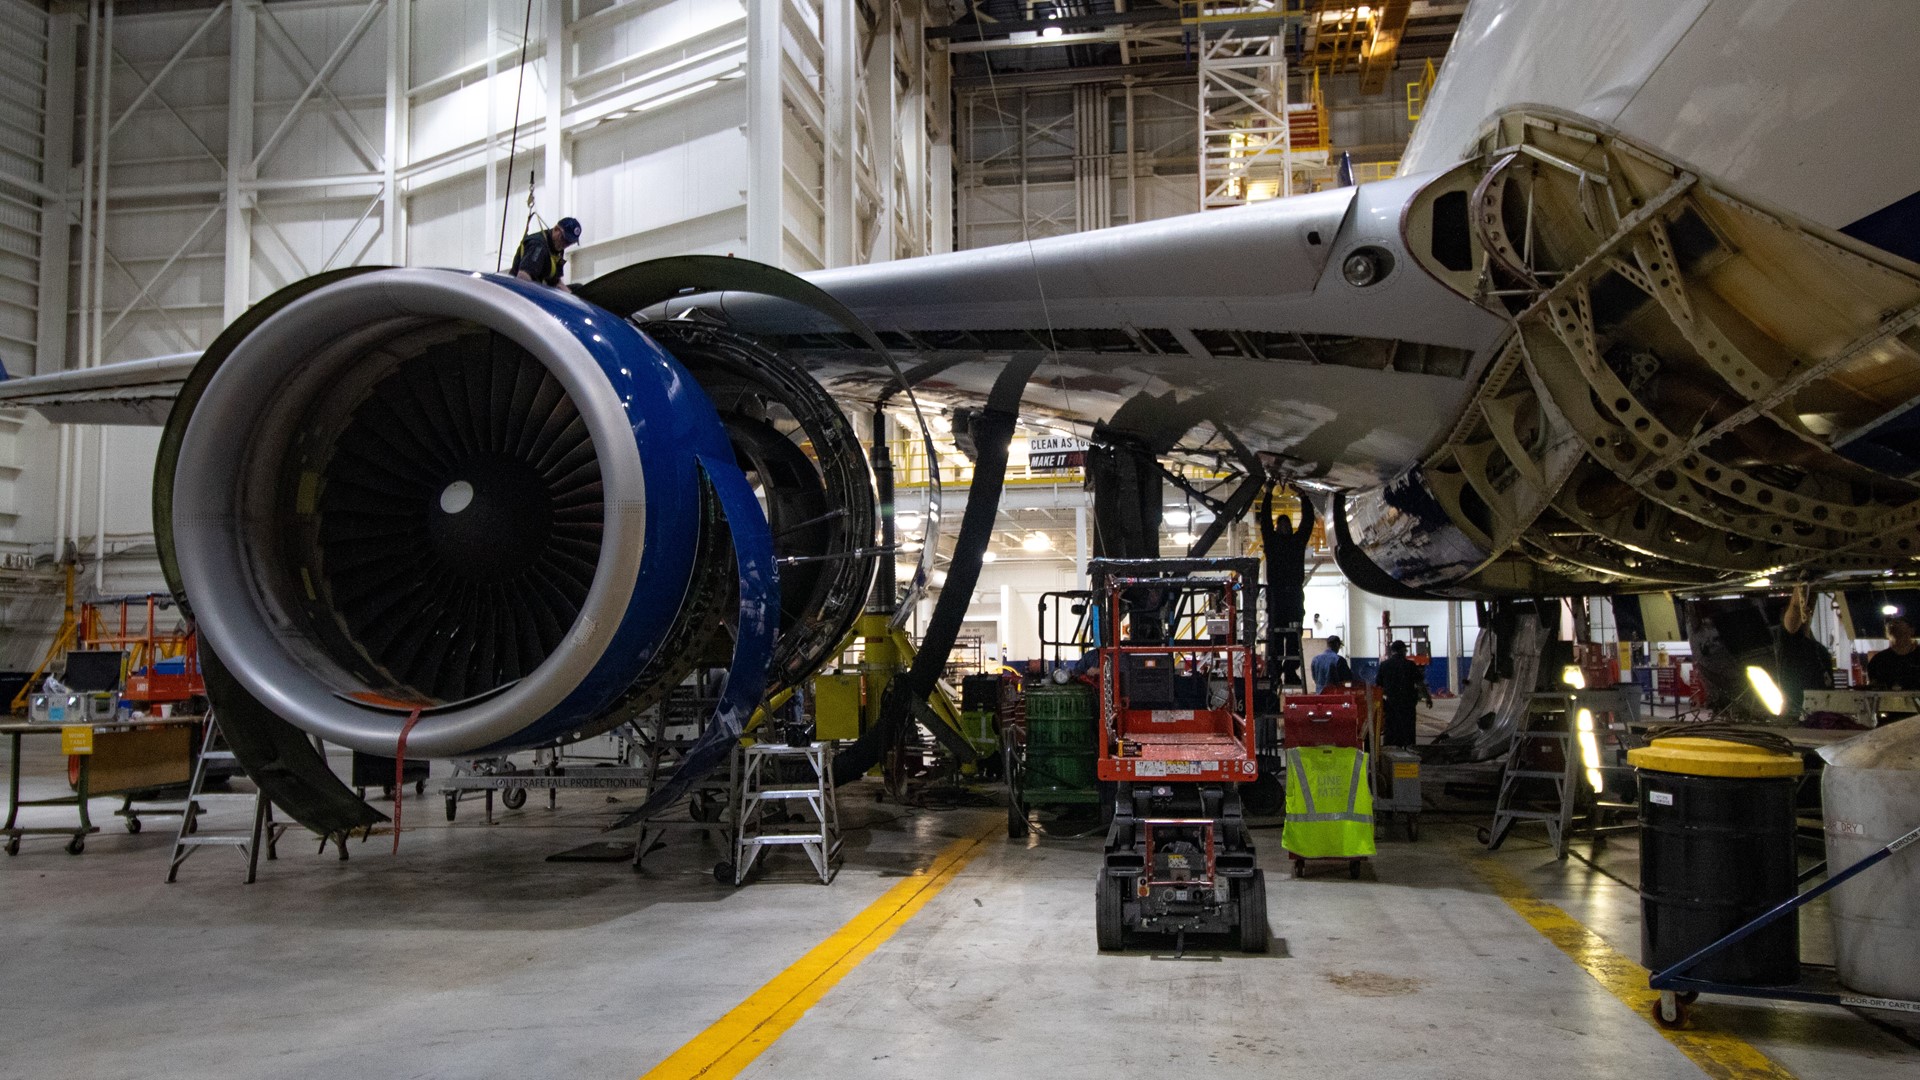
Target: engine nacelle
464, 495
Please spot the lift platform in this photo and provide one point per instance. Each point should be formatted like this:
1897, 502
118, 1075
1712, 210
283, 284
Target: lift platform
1176, 668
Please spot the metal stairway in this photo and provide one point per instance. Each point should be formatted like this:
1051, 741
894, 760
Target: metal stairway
814, 821
189, 840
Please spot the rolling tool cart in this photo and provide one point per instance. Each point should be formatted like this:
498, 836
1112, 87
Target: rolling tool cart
1329, 797
1177, 741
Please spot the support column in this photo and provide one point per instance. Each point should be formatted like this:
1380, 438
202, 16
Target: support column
240, 91
766, 194
554, 65
56, 212
1456, 629
1080, 547
399, 79
837, 36
888, 130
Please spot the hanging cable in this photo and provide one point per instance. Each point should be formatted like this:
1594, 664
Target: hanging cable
513, 144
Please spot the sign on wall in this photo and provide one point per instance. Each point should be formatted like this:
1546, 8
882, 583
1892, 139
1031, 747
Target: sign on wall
1056, 453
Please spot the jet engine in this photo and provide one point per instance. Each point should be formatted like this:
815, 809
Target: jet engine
497, 516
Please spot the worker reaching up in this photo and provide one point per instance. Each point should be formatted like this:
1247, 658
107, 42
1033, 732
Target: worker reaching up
540, 257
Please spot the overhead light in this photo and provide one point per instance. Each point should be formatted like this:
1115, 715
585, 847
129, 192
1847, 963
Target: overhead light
1051, 32
1589, 749
1037, 541
1184, 539
1890, 609
989, 556
1766, 689
1178, 516
1574, 677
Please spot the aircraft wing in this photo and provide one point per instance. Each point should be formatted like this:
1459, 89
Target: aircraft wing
132, 392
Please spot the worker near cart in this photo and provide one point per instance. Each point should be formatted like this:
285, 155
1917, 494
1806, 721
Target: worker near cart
541, 257
1330, 667
1402, 682
1896, 667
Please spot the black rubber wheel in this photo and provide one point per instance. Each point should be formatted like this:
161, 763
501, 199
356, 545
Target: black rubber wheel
133, 825
420, 787
386, 792
1109, 913
13, 845
1484, 835
76, 845
723, 873
513, 798
1017, 827
453, 805
1254, 932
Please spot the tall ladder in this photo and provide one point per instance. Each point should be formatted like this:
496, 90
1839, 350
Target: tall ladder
1548, 722
190, 840
814, 824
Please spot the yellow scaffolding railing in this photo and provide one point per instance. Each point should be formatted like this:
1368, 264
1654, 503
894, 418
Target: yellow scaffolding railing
1367, 172
1418, 90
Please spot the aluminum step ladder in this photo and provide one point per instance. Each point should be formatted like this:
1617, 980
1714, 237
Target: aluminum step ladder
813, 816
189, 840
1547, 722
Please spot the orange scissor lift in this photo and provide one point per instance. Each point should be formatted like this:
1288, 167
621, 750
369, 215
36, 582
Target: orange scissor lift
1176, 664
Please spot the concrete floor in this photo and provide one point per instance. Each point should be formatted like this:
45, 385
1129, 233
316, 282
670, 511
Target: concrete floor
469, 955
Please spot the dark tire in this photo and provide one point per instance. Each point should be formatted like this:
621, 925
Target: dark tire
419, 787
513, 798
453, 805
133, 825
723, 873
76, 845
13, 845
1254, 932
1109, 913
1485, 836
386, 792
1017, 827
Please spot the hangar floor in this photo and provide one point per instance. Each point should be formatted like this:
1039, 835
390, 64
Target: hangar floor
469, 955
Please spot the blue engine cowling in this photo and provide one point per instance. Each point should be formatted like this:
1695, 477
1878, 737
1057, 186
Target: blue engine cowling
461, 495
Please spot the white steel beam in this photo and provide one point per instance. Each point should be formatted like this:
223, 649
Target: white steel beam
554, 68
766, 194
837, 147
399, 104
56, 211
241, 59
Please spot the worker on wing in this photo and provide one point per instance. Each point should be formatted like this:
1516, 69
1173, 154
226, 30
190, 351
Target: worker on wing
1401, 682
540, 257
1330, 667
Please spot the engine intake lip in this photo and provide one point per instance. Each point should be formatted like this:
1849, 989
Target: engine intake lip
234, 453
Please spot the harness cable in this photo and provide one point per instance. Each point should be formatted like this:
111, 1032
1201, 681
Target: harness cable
513, 144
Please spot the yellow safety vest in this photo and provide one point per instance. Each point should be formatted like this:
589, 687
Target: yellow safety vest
1329, 803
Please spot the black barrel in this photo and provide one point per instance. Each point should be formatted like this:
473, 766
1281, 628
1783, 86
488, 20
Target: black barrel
1716, 851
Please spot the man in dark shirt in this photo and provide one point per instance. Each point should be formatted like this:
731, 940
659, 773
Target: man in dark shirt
541, 259
1896, 667
1402, 682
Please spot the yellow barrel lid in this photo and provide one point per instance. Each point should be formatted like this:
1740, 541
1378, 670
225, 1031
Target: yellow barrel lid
1701, 755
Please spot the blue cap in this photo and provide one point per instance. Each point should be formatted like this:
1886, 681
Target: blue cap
570, 228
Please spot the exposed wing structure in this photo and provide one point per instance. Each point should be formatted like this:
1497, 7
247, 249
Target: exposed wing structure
1613, 334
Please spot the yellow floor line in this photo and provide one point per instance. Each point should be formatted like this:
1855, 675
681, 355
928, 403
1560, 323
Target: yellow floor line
734, 1040
1719, 1055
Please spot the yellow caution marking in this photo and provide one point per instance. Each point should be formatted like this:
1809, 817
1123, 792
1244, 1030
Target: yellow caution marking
734, 1040
1719, 1055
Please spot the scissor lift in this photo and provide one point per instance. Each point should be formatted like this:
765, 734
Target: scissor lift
1176, 668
